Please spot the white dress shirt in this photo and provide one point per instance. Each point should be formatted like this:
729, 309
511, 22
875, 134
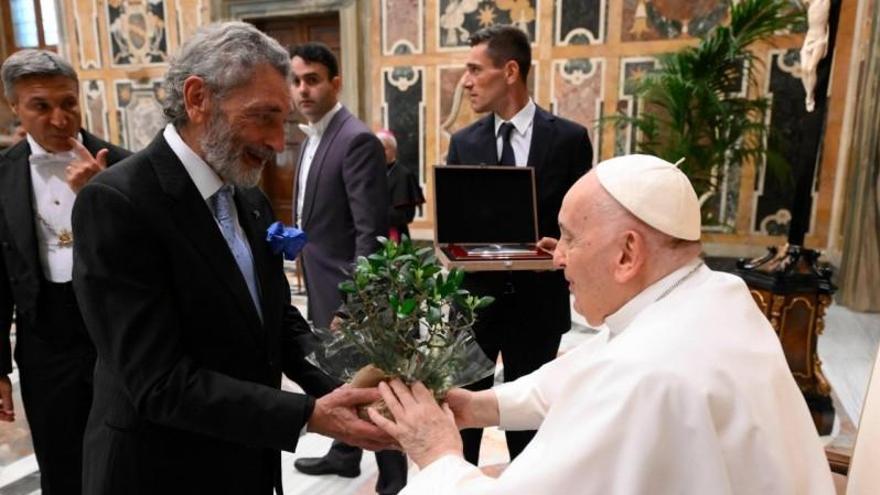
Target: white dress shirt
53, 204
205, 178
521, 137
313, 132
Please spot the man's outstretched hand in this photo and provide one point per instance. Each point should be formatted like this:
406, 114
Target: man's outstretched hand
335, 416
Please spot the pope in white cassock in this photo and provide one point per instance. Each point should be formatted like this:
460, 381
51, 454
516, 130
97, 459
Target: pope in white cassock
684, 390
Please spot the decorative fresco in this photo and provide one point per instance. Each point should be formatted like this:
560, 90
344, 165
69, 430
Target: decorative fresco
404, 114
139, 112
461, 18
400, 34
579, 22
137, 32
650, 20
87, 34
577, 93
95, 112
774, 192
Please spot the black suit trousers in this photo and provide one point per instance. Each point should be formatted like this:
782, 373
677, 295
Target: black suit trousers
525, 325
56, 361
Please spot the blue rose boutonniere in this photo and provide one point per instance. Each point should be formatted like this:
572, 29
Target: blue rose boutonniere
289, 240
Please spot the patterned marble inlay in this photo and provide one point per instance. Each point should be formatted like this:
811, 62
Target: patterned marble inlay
86, 34
140, 113
137, 32
632, 70
190, 16
774, 192
460, 18
577, 93
402, 26
579, 22
404, 114
649, 20
94, 99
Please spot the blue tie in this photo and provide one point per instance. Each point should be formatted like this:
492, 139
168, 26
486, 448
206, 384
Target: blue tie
221, 204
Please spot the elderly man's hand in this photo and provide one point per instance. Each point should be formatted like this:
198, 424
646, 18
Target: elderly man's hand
7, 410
85, 166
335, 416
424, 429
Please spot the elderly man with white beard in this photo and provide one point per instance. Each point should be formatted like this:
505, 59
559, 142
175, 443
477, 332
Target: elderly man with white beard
684, 390
187, 302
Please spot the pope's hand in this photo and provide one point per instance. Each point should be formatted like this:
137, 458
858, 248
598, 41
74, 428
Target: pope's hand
424, 429
335, 415
548, 244
7, 410
85, 166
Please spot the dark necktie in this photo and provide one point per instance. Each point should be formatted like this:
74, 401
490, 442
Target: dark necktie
507, 156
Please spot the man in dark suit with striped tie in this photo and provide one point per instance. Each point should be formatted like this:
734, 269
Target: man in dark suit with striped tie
531, 309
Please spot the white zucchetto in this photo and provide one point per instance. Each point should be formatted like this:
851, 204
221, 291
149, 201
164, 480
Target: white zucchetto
655, 191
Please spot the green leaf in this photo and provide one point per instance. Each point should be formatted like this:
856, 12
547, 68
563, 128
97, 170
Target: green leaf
407, 307
484, 301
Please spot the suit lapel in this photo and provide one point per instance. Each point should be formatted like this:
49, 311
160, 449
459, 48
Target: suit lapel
197, 224
317, 165
299, 163
486, 141
17, 200
542, 138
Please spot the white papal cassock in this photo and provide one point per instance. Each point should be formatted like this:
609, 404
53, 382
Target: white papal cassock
684, 391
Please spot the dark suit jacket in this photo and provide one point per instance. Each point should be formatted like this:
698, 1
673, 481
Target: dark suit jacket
344, 209
187, 378
560, 153
20, 270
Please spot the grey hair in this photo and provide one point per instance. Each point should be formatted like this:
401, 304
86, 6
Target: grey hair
33, 63
225, 56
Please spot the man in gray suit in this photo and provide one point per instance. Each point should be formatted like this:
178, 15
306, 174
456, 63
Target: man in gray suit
341, 202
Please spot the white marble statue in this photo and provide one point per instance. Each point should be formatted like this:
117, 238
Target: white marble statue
815, 46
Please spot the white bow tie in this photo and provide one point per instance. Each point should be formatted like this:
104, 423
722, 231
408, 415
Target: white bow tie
48, 159
309, 130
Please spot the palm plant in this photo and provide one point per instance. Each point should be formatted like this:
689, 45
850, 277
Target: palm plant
697, 104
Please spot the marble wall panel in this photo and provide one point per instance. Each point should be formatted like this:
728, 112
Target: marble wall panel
459, 19
402, 26
579, 22
87, 34
774, 192
577, 93
139, 112
94, 105
649, 20
455, 110
190, 15
403, 96
631, 71
137, 32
